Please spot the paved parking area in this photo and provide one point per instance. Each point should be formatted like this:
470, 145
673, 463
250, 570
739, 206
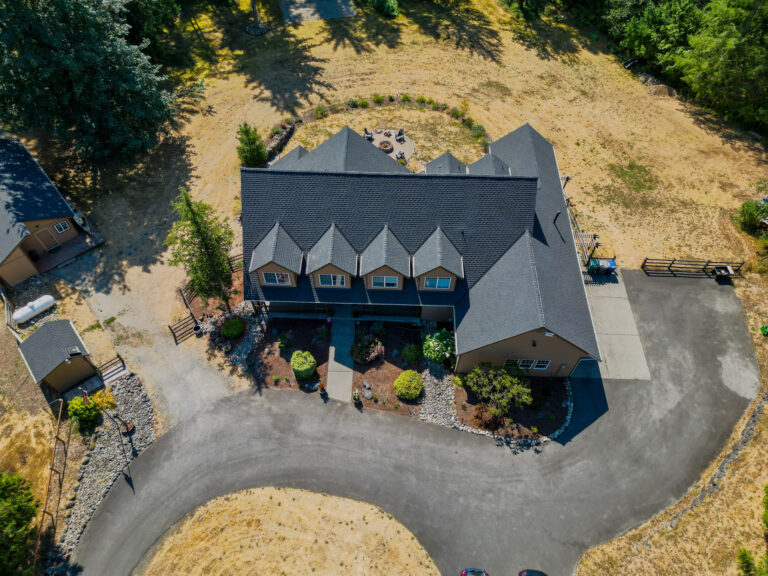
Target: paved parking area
632, 449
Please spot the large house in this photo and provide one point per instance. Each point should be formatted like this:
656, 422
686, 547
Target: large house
39, 230
488, 247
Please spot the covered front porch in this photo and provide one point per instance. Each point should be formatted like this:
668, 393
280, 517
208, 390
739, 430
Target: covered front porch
67, 251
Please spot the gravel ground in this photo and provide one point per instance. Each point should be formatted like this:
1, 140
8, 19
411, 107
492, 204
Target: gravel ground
107, 458
437, 405
255, 327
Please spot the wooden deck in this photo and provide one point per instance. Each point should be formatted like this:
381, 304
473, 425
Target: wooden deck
68, 251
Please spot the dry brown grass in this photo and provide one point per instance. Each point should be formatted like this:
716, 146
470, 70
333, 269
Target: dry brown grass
288, 531
25, 446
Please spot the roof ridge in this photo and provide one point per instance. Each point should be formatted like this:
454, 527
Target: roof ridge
535, 277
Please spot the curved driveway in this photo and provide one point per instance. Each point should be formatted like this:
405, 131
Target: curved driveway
633, 448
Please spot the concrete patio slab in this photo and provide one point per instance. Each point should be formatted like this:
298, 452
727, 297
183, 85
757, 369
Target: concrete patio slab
622, 352
340, 363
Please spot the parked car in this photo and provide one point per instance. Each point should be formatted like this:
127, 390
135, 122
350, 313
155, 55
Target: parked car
474, 572
532, 573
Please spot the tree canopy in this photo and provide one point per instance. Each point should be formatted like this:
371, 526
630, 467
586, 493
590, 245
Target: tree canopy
17, 511
200, 242
68, 66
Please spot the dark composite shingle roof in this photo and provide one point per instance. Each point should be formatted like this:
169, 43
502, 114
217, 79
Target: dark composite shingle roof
345, 151
521, 270
290, 159
332, 248
48, 346
385, 250
277, 247
26, 194
437, 252
446, 163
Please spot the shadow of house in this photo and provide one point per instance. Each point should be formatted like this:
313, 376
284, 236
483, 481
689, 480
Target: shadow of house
39, 229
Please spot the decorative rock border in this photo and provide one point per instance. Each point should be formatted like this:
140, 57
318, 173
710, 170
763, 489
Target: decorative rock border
241, 355
281, 133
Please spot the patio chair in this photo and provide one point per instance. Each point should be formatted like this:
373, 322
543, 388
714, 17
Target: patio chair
400, 155
368, 134
400, 136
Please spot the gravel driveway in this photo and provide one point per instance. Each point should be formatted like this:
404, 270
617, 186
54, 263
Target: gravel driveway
633, 448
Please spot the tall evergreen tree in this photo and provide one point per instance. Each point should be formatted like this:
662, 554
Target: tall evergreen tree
17, 511
67, 65
150, 20
200, 242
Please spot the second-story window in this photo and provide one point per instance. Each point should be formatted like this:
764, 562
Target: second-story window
384, 281
437, 283
276, 278
337, 280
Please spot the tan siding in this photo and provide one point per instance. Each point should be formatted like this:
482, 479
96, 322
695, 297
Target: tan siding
554, 349
65, 376
35, 226
330, 269
17, 267
384, 271
439, 272
272, 267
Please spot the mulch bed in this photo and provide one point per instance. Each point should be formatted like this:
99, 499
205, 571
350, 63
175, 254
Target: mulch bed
547, 412
382, 372
214, 307
272, 368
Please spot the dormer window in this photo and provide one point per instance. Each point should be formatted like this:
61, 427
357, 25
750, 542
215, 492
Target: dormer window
332, 280
384, 281
437, 283
276, 278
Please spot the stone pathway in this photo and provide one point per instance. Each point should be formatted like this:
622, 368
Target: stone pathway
340, 374
437, 406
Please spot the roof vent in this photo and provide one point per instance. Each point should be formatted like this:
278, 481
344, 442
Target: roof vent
74, 351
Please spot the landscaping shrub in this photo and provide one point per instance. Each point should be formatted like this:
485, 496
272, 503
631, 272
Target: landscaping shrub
303, 364
409, 385
421, 100
430, 101
402, 161
320, 112
456, 113
500, 387
104, 399
367, 348
17, 513
251, 151
439, 346
460, 380
412, 352
352, 103
85, 414
232, 328
391, 97
284, 341
435, 106
388, 8
362, 103
478, 130
377, 99
275, 130
405, 98
751, 214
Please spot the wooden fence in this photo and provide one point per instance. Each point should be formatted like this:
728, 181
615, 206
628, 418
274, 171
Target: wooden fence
586, 243
693, 268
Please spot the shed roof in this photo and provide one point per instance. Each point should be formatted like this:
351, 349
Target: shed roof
49, 346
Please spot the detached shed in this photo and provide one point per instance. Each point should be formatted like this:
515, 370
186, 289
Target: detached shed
55, 354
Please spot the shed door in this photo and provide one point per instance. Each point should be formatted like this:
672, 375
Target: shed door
46, 239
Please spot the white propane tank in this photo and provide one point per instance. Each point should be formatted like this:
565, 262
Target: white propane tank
32, 309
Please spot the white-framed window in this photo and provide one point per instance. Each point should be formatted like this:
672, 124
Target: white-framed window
525, 364
61, 227
541, 365
384, 281
437, 283
276, 278
336, 280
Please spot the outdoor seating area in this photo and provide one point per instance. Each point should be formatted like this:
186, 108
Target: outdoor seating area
393, 142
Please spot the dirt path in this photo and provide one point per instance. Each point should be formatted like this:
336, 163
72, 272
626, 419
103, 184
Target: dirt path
288, 531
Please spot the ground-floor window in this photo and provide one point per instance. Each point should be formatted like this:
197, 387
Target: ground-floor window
384, 281
527, 364
61, 227
278, 278
338, 280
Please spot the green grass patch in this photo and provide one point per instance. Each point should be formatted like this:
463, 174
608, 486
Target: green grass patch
109, 320
90, 328
634, 176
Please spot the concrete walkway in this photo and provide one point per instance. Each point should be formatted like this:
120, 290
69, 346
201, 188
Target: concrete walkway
340, 363
631, 450
622, 352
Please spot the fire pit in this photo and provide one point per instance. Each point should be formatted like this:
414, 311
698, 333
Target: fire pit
386, 145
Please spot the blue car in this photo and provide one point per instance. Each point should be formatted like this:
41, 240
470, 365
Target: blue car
474, 572
532, 573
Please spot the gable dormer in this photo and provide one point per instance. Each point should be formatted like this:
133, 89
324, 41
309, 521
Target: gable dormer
332, 262
437, 264
277, 259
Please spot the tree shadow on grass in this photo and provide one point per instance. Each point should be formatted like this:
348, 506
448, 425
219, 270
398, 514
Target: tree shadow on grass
731, 134
127, 202
456, 21
363, 33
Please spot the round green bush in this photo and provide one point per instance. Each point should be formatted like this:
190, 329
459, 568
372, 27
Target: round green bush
411, 352
409, 385
303, 364
85, 414
439, 346
232, 328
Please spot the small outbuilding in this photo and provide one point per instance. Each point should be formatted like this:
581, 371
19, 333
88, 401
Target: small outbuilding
56, 355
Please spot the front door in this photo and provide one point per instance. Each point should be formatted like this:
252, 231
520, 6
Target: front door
46, 239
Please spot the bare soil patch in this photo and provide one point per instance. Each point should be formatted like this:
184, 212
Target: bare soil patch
273, 365
542, 418
382, 372
288, 531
